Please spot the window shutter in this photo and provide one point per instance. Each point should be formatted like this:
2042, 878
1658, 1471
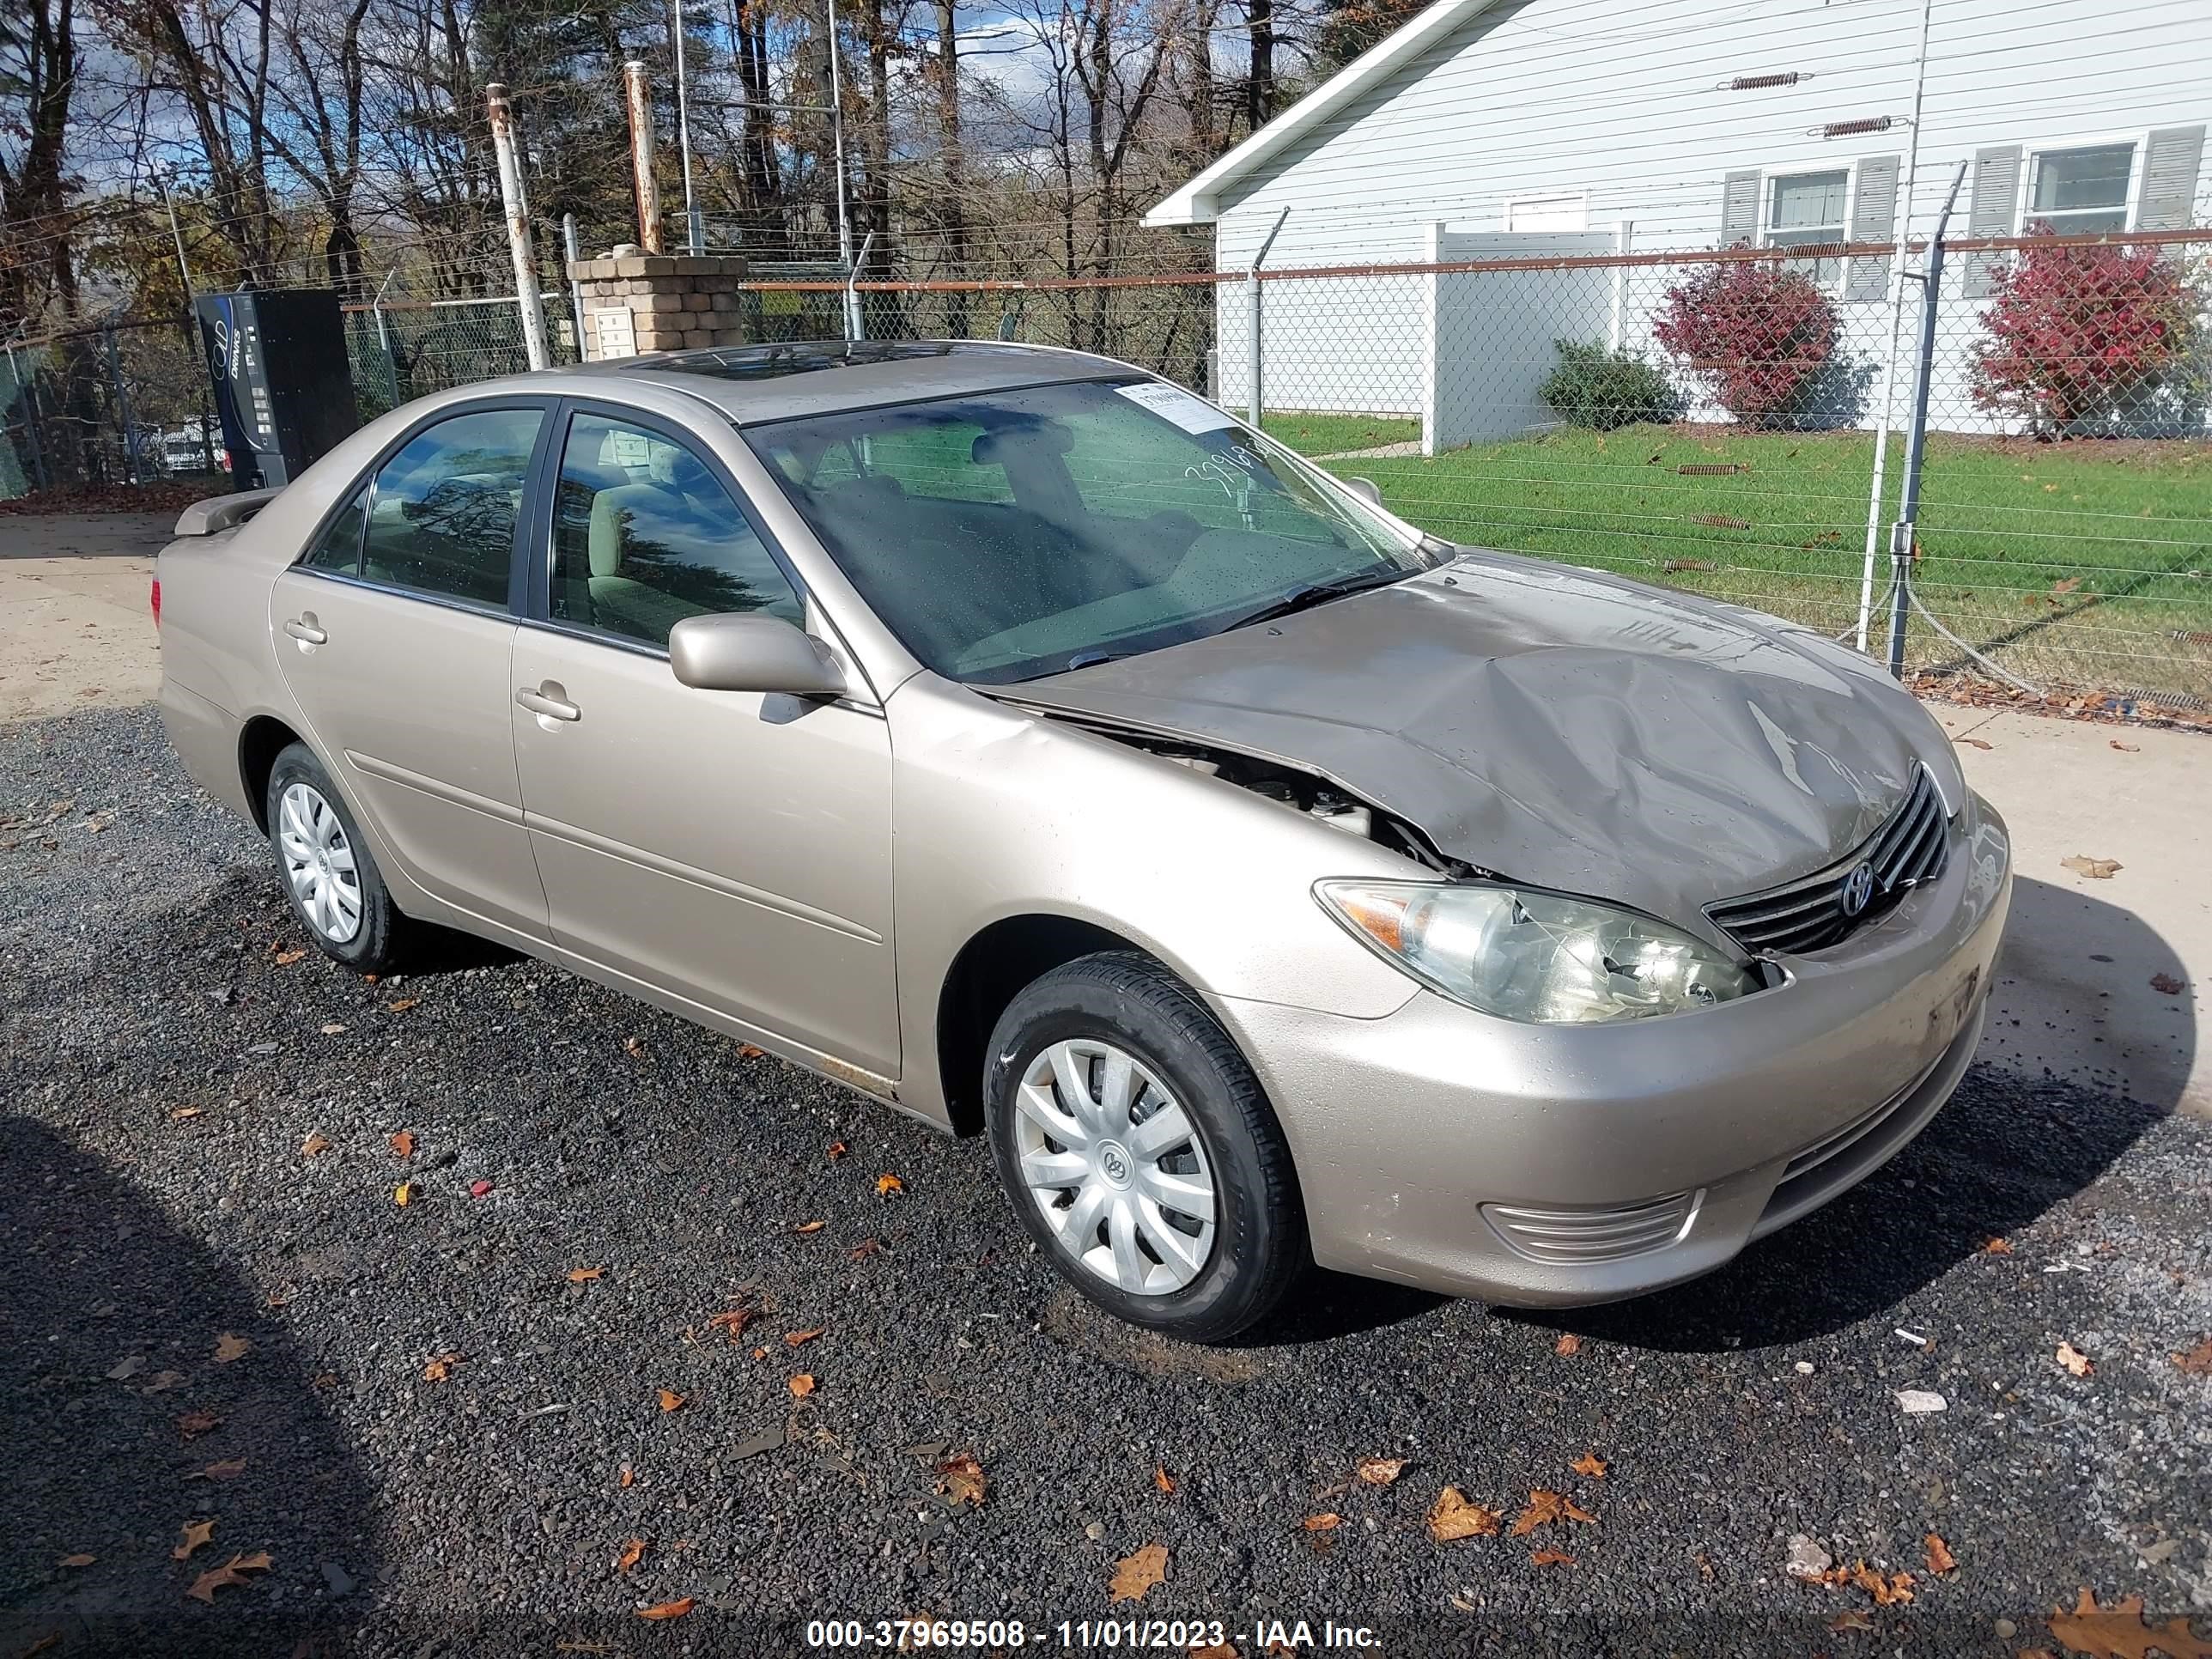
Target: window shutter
1873, 218
1996, 192
2169, 196
1739, 208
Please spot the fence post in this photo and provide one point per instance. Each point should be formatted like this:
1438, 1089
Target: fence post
1916, 437
29, 392
575, 293
122, 406
518, 227
856, 324
1252, 367
638, 96
1624, 237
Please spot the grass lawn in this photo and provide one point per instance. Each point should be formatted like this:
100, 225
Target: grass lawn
2088, 562
1310, 434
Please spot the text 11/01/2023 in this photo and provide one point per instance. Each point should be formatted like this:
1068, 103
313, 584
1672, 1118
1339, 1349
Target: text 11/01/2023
1198, 1638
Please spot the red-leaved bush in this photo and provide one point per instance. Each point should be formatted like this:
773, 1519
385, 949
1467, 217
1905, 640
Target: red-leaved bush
1754, 333
2074, 331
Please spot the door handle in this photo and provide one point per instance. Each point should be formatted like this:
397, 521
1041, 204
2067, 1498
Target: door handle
543, 702
303, 628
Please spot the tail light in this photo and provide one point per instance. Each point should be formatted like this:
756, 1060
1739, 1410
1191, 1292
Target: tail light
157, 601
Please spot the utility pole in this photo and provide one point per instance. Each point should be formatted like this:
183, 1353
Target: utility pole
639, 95
691, 241
518, 227
1901, 534
837, 138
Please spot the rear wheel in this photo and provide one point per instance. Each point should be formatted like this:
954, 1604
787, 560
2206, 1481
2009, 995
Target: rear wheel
330, 876
1138, 1151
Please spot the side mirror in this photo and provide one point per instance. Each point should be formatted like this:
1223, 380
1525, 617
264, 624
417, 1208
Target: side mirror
744, 651
1366, 489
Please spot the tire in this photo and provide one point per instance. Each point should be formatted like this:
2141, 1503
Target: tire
358, 924
1107, 1230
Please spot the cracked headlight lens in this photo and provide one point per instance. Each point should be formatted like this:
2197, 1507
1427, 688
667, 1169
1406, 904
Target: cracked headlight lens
1540, 957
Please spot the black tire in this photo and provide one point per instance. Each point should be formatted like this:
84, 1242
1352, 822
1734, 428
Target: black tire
1260, 1249
385, 936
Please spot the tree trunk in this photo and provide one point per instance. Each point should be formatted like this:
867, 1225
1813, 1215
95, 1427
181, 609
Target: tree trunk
1260, 86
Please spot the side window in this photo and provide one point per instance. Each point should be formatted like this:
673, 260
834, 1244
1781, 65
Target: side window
442, 518
338, 548
644, 536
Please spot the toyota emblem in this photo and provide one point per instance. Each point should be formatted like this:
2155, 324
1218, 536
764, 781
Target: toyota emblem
1858, 890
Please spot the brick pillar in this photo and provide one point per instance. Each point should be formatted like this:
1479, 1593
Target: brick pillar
641, 302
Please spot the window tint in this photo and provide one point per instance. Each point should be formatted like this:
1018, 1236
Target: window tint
442, 517
644, 536
2080, 191
338, 548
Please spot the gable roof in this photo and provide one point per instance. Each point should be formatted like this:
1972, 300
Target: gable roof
1197, 203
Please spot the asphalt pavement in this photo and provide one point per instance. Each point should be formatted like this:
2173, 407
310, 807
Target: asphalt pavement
436, 1427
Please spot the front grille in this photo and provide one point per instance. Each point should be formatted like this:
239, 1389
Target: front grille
1811, 914
1592, 1235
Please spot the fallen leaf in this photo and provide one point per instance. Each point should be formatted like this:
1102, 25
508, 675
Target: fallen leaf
2127, 747
805, 1227
1378, 1471
184, 1114
887, 1184
232, 1572
1590, 1464
581, 1275
634, 1047
314, 1146
1165, 1483
2198, 1362
2120, 1631
1547, 1508
400, 1004
733, 1320
751, 1051
1551, 1558
286, 958
627, 1479
670, 1400
228, 1347
1219, 1650
799, 1339
2076, 1362
1328, 1523
229, 1469
1568, 1346
865, 1247
1886, 1591
1996, 1247
196, 1533
331, 1028
404, 1193
1134, 1575
404, 1143
440, 1367
1940, 1559
962, 1481
2168, 985
1452, 1518
675, 1609
1977, 742
1850, 1618
2095, 869
192, 1425
801, 1386
838, 1149
479, 1189
76, 1561
162, 1382
632, 1553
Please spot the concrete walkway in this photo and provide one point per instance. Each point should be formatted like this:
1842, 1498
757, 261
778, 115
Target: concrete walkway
2079, 989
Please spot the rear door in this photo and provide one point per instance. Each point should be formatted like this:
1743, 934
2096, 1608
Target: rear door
396, 633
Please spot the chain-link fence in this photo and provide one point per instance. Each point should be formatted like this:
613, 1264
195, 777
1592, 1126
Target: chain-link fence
401, 350
125, 402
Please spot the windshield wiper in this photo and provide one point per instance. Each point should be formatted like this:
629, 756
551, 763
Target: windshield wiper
1304, 598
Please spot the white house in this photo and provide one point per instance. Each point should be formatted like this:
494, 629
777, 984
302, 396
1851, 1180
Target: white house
1516, 128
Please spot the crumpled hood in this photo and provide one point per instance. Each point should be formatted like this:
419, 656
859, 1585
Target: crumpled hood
1563, 727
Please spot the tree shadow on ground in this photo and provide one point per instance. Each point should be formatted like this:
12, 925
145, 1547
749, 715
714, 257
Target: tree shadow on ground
124, 1424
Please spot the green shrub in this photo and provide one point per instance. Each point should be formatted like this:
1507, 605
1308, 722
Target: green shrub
1595, 387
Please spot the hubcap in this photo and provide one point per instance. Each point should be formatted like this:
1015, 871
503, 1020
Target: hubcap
319, 862
1116, 1166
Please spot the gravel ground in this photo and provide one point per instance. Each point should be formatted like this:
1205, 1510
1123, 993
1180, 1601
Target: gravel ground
167, 1058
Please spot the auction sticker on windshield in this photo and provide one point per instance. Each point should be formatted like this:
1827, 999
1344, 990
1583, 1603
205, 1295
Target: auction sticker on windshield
1172, 403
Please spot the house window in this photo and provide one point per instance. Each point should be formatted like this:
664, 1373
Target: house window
2079, 192
1527, 213
1805, 208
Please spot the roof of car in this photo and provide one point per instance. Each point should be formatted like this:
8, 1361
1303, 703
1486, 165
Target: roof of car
752, 384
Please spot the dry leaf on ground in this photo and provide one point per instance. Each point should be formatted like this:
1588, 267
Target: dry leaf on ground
1940, 1559
331, 1028
838, 1149
801, 1386
1165, 1482
439, 1367
77, 1561
401, 1005
751, 1051
231, 1572
627, 1479
675, 1609
800, 1339
1328, 1523
1451, 1518
2198, 1362
670, 1400
581, 1275
286, 958
1996, 1247
1134, 1575
2121, 1632
1378, 1471
229, 1469
1850, 1619
2127, 747
1977, 742
192, 1425
2095, 869
1547, 1508
1568, 1345
404, 1143
228, 1347
1590, 1464
805, 1227
196, 1533
634, 1047
1886, 1591
2076, 1362
314, 1146
887, 1184
1551, 1558
184, 1114
2168, 985
865, 1247
632, 1553
404, 1193
732, 1320
962, 1479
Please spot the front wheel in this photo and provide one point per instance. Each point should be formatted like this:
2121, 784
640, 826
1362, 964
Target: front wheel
1139, 1151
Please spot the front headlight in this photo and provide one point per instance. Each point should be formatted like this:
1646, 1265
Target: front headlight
1535, 957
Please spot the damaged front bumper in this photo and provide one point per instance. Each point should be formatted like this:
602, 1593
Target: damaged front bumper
1550, 1165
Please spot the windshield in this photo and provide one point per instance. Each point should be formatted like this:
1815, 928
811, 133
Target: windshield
1005, 535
